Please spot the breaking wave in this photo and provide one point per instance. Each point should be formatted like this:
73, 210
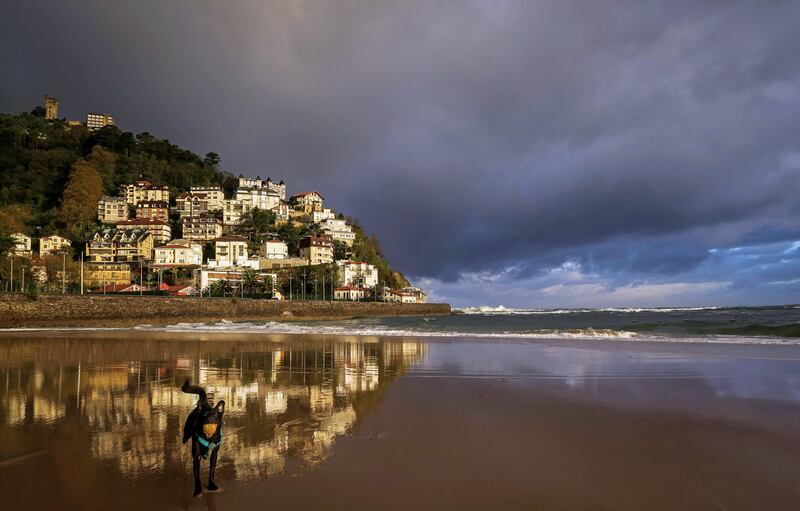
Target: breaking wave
501, 310
380, 331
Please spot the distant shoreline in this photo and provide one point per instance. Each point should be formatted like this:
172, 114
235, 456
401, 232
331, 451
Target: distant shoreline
74, 310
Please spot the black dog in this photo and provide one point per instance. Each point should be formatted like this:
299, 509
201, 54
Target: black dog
204, 427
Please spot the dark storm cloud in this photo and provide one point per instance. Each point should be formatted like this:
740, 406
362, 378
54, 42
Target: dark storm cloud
632, 137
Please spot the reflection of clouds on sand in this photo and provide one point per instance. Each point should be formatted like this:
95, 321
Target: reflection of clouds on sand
289, 402
652, 379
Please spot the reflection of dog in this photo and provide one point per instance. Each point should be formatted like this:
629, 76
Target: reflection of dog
204, 427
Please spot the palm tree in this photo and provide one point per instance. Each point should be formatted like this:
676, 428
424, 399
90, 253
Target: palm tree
219, 288
251, 281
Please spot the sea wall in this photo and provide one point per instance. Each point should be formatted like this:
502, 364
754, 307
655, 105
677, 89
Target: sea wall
16, 310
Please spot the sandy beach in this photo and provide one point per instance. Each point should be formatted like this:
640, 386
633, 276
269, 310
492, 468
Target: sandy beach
92, 420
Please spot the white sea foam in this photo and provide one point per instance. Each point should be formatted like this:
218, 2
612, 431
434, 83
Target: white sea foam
267, 328
380, 331
501, 310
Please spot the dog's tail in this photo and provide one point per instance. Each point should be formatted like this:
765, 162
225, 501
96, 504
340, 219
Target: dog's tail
194, 389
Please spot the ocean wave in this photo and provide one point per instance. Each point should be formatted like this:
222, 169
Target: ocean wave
501, 310
599, 334
378, 331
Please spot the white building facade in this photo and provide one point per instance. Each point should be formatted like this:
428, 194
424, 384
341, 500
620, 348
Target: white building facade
274, 249
357, 274
180, 252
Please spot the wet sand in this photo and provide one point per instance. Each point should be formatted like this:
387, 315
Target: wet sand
458, 424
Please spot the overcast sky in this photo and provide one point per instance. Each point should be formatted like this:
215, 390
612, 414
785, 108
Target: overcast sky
532, 153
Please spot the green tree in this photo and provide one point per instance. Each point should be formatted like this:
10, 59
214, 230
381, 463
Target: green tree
256, 223
220, 288
289, 234
251, 282
340, 250
6, 245
211, 159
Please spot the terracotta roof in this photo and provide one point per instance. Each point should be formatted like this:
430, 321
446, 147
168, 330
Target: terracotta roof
306, 193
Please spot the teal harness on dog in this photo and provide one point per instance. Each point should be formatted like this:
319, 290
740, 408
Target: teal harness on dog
210, 445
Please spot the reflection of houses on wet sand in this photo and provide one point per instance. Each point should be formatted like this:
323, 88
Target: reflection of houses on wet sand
283, 400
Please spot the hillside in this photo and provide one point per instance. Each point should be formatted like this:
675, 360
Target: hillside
44, 191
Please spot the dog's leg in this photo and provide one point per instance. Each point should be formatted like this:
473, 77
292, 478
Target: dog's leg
198, 488
212, 468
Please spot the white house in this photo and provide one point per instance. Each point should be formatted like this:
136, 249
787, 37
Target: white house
260, 198
349, 293
233, 210
214, 196
230, 251
399, 296
308, 202
179, 252
321, 216
52, 244
274, 249
22, 245
420, 295
338, 230
357, 274
189, 204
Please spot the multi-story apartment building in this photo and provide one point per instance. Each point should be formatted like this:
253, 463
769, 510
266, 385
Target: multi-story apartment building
95, 121
338, 230
204, 228
308, 202
358, 274
22, 245
317, 249
233, 210
269, 184
120, 246
99, 274
189, 204
111, 210
274, 249
143, 190
153, 210
161, 230
53, 244
214, 196
230, 251
50, 108
260, 198
179, 252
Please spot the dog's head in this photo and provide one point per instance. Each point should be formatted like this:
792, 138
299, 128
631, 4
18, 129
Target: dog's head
211, 418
